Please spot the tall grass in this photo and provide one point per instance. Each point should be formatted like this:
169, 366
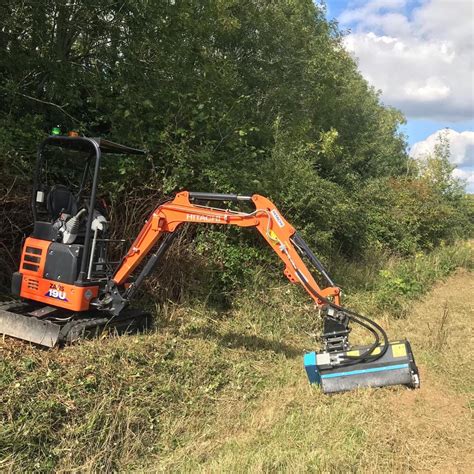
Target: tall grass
393, 287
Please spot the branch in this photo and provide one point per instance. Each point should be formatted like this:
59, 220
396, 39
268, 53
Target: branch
52, 104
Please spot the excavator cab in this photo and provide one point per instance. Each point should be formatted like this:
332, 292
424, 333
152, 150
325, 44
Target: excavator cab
64, 260
67, 245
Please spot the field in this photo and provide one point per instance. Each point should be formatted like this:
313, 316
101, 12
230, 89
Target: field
215, 392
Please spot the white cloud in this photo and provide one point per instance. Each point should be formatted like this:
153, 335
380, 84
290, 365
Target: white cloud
465, 175
461, 146
430, 90
422, 60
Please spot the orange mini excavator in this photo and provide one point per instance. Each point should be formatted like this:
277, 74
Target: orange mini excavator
70, 289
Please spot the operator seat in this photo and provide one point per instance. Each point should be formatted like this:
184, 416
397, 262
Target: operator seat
60, 199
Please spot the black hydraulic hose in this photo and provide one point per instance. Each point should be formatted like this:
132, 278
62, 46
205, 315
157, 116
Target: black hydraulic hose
151, 263
218, 197
160, 203
359, 319
303, 246
367, 355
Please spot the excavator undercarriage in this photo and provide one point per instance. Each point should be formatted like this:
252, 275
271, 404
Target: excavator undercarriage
49, 326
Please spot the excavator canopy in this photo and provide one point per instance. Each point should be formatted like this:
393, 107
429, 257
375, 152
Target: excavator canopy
89, 144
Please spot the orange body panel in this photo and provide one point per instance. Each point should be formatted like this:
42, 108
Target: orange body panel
35, 287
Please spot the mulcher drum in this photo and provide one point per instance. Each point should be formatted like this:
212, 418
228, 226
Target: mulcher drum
396, 367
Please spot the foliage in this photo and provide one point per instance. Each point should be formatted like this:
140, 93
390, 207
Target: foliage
404, 281
226, 96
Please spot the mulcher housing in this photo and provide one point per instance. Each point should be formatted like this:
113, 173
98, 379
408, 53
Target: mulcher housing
396, 367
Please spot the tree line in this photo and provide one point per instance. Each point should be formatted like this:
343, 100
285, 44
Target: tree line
237, 96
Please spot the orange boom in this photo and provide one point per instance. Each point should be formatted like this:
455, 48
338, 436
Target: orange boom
266, 218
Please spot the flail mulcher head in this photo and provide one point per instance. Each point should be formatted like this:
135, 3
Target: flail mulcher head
395, 367
49, 326
340, 367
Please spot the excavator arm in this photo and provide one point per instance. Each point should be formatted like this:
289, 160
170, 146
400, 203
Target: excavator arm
339, 366
54, 273
280, 235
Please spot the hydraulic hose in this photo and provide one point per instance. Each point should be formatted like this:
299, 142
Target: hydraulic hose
363, 321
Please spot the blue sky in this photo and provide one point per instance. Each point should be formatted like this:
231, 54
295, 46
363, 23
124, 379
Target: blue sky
418, 129
419, 54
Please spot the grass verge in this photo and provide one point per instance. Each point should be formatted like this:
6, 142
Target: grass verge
214, 391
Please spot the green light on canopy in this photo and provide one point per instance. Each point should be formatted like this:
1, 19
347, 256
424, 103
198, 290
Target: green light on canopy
56, 131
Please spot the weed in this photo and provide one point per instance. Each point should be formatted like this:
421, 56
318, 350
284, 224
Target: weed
440, 332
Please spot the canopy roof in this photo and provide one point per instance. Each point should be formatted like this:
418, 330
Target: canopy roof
89, 144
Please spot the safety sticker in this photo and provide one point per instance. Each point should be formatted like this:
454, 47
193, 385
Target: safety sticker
353, 353
399, 350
